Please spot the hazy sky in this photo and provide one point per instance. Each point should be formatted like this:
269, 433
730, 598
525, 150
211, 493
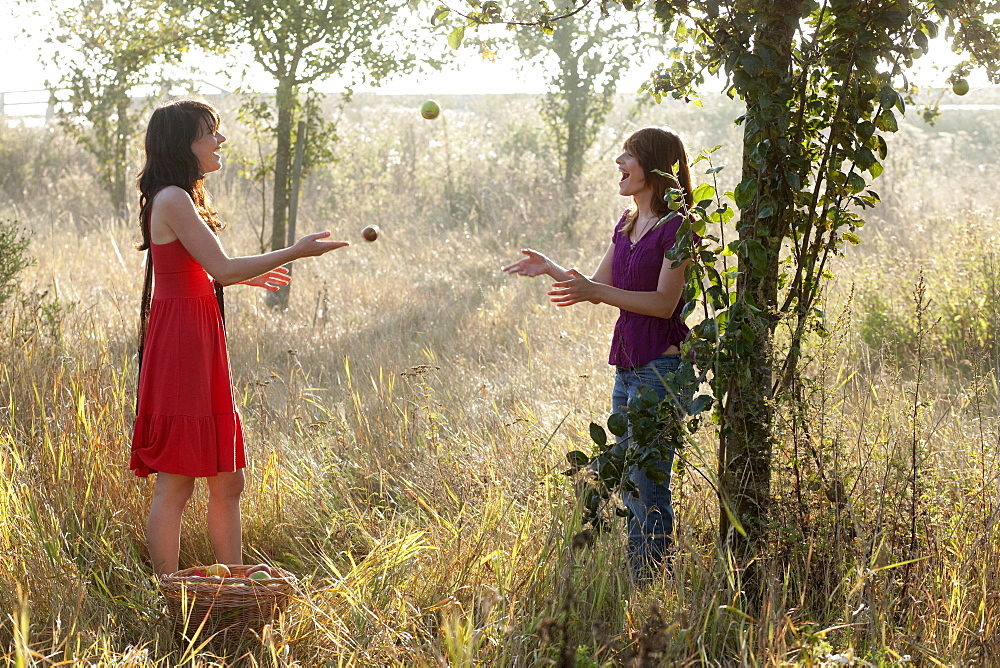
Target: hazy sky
22, 70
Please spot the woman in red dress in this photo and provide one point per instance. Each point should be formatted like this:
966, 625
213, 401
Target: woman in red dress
187, 425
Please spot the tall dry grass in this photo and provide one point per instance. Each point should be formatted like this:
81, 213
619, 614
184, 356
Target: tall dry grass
408, 418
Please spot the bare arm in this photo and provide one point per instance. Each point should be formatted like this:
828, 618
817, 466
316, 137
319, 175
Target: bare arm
174, 217
660, 303
536, 264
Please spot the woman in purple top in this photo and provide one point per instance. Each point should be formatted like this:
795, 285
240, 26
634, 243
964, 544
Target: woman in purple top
634, 276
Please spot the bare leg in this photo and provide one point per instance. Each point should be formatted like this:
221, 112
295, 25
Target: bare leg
225, 528
163, 528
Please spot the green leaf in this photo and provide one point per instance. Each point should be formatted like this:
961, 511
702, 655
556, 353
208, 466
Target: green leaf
598, 435
491, 8
689, 307
611, 474
617, 424
718, 296
864, 158
577, 458
881, 146
752, 65
439, 14
865, 129
855, 182
746, 192
701, 403
758, 153
887, 97
852, 237
692, 291
456, 36
756, 254
886, 121
723, 214
704, 193
656, 474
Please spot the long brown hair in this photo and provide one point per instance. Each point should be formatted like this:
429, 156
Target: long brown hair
659, 149
170, 162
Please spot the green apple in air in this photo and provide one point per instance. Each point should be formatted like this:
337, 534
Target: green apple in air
960, 87
430, 110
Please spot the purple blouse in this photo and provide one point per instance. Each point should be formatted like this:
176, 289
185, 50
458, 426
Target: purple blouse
639, 339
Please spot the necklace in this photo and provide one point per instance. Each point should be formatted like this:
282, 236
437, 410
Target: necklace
646, 227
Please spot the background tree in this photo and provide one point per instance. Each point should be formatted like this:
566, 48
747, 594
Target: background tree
584, 57
104, 50
584, 50
14, 258
300, 44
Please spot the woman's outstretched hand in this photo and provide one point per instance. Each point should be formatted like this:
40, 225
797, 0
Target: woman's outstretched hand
575, 289
315, 244
535, 264
271, 280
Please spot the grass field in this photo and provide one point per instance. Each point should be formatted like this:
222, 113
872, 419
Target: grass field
408, 418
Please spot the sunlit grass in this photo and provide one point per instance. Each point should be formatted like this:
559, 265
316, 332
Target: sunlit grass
407, 421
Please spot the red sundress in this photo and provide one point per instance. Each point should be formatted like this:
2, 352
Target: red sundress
187, 422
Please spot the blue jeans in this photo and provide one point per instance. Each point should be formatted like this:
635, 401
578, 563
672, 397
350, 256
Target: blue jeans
651, 517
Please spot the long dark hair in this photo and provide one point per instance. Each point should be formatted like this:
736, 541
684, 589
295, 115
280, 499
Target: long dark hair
170, 162
660, 149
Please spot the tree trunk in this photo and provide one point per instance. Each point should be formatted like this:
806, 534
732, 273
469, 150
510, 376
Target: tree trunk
576, 146
746, 435
574, 107
576, 143
285, 102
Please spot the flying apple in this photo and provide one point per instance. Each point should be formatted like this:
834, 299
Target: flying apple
370, 233
430, 110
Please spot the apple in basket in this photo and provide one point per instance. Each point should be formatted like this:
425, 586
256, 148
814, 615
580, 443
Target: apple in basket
220, 570
259, 572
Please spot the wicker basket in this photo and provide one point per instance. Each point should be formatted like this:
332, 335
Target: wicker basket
204, 606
